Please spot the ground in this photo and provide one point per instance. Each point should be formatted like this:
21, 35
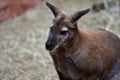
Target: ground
22, 39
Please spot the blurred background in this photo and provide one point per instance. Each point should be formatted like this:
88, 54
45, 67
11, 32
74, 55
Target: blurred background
24, 26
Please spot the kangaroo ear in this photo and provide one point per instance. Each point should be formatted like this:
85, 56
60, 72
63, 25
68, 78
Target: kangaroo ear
79, 14
54, 10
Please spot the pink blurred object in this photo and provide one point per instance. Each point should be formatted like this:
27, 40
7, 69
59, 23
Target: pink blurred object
12, 8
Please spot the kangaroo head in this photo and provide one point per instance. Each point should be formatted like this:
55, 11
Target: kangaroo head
63, 28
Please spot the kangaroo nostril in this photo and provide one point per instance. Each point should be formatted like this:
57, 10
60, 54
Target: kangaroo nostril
48, 44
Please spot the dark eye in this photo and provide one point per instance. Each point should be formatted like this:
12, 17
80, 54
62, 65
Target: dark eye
63, 32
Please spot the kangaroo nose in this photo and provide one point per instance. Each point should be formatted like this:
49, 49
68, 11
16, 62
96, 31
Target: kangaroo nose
49, 46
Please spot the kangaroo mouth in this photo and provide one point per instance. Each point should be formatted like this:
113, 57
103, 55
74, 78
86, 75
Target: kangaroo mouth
50, 48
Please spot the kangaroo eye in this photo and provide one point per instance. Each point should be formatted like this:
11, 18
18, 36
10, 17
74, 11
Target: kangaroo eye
63, 32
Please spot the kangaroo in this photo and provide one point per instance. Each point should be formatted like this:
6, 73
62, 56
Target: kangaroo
81, 53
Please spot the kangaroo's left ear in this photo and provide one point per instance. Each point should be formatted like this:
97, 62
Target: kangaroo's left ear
79, 14
54, 9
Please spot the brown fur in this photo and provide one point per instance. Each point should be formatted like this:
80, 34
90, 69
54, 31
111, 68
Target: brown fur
93, 53
86, 54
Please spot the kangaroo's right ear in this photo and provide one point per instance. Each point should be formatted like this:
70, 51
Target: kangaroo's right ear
54, 10
76, 16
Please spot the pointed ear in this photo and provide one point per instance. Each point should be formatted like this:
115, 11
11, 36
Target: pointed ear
79, 14
54, 10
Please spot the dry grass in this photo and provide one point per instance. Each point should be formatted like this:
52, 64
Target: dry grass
22, 52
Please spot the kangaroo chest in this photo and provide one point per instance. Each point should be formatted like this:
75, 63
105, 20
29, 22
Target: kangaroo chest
69, 70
